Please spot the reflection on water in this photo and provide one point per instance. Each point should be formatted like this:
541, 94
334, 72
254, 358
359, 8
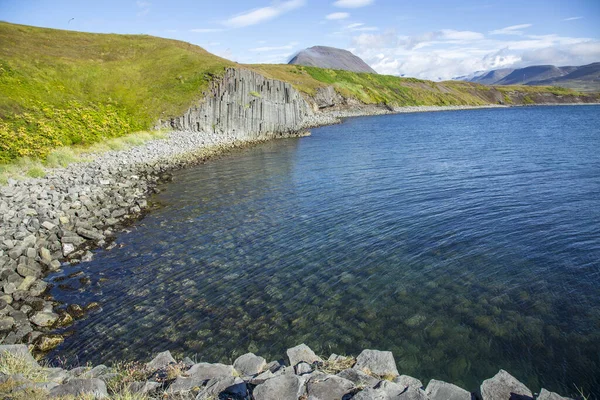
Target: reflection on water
461, 241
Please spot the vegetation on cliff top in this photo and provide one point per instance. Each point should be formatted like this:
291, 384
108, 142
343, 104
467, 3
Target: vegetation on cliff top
63, 88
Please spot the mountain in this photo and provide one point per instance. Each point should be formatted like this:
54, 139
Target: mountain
332, 58
584, 78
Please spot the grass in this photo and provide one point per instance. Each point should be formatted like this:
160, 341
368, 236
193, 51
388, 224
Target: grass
11, 364
339, 365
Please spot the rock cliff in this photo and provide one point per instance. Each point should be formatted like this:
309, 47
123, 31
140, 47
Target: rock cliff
246, 105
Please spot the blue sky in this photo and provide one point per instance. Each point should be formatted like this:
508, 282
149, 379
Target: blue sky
425, 39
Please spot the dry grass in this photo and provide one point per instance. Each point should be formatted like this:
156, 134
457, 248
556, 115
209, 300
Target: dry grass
334, 367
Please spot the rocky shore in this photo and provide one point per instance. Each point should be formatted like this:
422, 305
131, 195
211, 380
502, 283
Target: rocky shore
372, 375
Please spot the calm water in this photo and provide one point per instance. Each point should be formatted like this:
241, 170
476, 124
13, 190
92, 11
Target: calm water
462, 241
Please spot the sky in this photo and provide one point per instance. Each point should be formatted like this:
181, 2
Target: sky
425, 39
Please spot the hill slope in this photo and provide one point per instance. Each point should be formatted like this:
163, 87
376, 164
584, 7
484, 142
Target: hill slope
331, 58
62, 87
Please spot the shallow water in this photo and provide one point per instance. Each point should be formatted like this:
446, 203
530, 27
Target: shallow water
463, 241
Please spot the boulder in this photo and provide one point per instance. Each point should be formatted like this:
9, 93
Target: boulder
249, 364
358, 377
408, 381
81, 387
371, 394
504, 386
302, 353
330, 387
46, 343
283, 386
547, 395
160, 361
19, 350
377, 362
230, 387
303, 368
143, 387
413, 393
44, 319
440, 390
393, 390
198, 375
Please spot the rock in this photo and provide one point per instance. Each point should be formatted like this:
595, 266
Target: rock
261, 378
273, 366
30, 269
160, 361
547, 395
27, 282
302, 353
48, 225
67, 248
57, 375
21, 351
38, 288
44, 319
413, 393
503, 386
198, 375
303, 368
45, 255
391, 389
408, 381
230, 387
46, 343
330, 387
358, 377
6, 323
96, 372
371, 394
280, 387
75, 310
90, 234
64, 319
249, 364
377, 362
439, 390
143, 387
81, 387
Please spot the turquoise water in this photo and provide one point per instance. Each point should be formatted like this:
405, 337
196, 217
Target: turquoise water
462, 241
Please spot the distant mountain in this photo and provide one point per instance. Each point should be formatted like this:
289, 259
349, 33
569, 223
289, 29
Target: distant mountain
332, 58
585, 77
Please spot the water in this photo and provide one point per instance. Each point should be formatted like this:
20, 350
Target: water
462, 241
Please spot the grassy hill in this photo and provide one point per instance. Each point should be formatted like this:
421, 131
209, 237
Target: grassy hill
63, 88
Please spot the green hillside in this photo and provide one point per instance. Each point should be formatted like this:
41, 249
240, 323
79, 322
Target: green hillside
61, 88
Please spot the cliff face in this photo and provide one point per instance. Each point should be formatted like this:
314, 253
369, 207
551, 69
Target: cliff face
246, 105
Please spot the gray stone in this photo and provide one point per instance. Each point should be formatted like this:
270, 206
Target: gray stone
78, 387
218, 387
502, 386
408, 381
302, 353
329, 387
45, 255
57, 375
96, 372
38, 288
358, 377
303, 368
393, 390
261, 378
281, 387
6, 323
32, 269
375, 362
44, 319
200, 374
371, 394
21, 351
413, 393
439, 390
90, 234
67, 248
547, 395
48, 225
249, 364
160, 361
27, 282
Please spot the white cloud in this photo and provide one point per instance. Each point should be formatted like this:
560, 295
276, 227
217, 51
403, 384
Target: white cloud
449, 53
572, 18
263, 14
206, 30
510, 30
352, 3
355, 25
337, 15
